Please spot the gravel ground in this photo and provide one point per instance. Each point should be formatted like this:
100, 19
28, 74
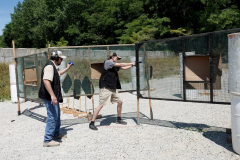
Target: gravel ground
179, 131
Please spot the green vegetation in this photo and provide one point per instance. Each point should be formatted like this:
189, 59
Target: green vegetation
4, 82
164, 67
2, 44
62, 42
35, 23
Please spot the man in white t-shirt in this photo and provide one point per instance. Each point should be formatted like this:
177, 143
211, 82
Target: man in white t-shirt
108, 84
50, 93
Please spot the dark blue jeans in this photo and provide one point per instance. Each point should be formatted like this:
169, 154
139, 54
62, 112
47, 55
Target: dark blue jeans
53, 121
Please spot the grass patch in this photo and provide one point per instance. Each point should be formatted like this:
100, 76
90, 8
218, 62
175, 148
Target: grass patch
164, 67
5, 93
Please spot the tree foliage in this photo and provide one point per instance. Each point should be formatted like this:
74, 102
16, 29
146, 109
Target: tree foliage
35, 23
144, 29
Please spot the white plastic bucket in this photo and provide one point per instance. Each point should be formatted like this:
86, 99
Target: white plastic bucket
234, 87
235, 121
234, 62
13, 85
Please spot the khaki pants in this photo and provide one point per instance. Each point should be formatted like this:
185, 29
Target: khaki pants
106, 95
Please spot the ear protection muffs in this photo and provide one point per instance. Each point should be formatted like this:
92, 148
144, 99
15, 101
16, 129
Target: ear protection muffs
55, 55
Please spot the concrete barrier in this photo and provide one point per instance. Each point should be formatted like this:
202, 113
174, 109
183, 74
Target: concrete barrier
6, 54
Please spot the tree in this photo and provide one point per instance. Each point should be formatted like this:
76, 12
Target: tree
35, 23
219, 15
144, 29
2, 44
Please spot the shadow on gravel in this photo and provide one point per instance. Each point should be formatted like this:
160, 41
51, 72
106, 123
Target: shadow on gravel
219, 137
37, 106
216, 134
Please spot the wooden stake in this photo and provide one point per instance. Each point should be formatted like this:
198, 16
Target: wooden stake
73, 103
66, 110
79, 103
150, 102
86, 104
228, 130
14, 55
138, 111
108, 52
68, 101
93, 103
92, 96
63, 108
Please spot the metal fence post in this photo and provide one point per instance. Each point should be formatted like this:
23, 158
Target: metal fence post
210, 39
183, 62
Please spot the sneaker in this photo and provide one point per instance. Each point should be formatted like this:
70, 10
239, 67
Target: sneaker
93, 127
52, 143
60, 136
121, 122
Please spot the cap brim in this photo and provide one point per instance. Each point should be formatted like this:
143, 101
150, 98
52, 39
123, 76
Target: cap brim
63, 57
119, 57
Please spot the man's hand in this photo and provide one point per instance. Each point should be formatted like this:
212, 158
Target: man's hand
54, 100
66, 69
69, 65
48, 86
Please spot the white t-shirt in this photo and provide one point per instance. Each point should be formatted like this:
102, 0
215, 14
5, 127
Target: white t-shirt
48, 72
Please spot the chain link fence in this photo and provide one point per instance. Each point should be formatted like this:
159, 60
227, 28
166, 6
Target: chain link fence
194, 68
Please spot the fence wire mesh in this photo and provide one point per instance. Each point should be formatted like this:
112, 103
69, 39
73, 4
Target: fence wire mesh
190, 68
82, 79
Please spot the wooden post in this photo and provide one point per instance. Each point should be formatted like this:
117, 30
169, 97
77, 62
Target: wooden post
68, 102
86, 104
138, 121
14, 55
89, 56
108, 52
80, 103
150, 102
93, 103
73, 104
152, 83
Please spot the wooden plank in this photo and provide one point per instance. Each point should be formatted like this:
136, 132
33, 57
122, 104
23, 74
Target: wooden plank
93, 46
228, 130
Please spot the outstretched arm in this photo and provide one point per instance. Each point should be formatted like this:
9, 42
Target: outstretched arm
125, 68
65, 70
124, 64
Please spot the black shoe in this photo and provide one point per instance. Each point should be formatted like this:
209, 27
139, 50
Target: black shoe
121, 122
93, 127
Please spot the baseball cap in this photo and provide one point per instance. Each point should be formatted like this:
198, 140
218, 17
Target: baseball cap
59, 54
115, 55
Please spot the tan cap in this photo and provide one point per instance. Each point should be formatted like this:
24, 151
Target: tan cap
59, 53
115, 55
